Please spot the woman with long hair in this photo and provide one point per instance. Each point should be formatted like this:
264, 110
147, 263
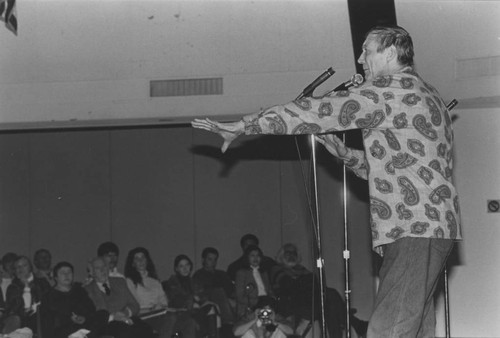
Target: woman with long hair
143, 282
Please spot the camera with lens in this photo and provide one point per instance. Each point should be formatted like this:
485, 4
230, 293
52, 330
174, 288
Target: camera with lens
265, 317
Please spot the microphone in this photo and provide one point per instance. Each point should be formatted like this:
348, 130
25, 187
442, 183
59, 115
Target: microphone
319, 80
354, 81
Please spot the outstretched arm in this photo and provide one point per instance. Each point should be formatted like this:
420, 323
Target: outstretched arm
229, 131
354, 159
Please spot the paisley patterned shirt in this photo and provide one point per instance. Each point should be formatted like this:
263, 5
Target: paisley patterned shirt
408, 157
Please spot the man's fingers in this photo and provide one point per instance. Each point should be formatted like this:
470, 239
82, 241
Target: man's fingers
336, 139
320, 139
204, 124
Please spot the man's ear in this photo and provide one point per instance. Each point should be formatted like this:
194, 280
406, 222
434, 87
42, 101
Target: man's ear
391, 53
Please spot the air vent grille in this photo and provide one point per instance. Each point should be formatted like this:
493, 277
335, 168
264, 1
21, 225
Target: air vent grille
186, 87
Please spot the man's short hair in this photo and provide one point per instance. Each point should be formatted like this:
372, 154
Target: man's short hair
208, 251
249, 237
106, 248
398, 37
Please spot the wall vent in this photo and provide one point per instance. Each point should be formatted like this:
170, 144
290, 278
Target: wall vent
186, 87
477, 67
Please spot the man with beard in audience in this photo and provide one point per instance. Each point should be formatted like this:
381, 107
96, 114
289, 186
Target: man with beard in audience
297, 290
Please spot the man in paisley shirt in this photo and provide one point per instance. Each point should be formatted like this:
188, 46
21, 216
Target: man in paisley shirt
407, 160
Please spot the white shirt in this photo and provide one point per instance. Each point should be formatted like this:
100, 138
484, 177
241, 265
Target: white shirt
261, 289
5, 284
115, 273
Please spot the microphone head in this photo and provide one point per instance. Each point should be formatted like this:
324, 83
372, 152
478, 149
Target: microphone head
357, 79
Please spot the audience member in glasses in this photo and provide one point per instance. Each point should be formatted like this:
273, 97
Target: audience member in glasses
298, 289
112, 294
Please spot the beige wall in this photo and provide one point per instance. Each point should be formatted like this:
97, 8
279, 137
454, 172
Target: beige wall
78, 61
474, 298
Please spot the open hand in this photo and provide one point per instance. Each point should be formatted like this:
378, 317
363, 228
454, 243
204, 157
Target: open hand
229, 131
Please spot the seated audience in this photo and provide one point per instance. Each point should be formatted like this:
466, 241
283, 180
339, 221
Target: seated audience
263, 322
266, 262
194, 315
24, 296
297, 289
112, 294
216, 285
43, 264
251, 282
67, 307
110, 252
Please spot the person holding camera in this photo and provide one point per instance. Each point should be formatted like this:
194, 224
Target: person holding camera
263, 322
251, 283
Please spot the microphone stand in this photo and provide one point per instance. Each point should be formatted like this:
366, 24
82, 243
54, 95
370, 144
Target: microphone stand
346, 253
319, 252
316, 217
449, 106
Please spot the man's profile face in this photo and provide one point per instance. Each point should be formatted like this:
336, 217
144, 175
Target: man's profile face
100, 270
374, 63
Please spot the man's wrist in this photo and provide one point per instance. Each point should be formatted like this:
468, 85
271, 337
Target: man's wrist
240, 126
